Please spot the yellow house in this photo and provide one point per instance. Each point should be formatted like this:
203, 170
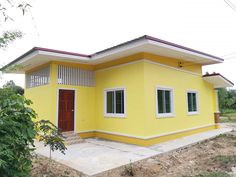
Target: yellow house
143, 91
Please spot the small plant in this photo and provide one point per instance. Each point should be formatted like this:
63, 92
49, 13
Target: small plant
129, 170
49, 134
213, 174
224, 160
226, 135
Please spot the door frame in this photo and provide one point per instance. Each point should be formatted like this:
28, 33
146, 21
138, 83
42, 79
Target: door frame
57, 105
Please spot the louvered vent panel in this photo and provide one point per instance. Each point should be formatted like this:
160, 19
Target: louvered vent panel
38, 78
67, 75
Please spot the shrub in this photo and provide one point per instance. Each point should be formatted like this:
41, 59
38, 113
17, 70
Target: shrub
49, 134
17, 134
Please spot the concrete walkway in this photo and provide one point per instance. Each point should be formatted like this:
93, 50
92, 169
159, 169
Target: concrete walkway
96, 155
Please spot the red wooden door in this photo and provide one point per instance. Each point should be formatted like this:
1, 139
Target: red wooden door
66, 110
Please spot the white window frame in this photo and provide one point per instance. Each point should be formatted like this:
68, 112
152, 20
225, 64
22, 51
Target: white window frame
123, 115
197, 102
163, 115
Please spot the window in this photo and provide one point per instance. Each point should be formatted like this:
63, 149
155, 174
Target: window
164, 102
115, 103
192, 102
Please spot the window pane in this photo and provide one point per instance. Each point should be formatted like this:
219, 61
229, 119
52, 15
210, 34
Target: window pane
120, 101
194, 102
167, 101
160, 97
110, 102
189, 102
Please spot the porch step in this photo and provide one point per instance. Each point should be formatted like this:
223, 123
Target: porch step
72, 138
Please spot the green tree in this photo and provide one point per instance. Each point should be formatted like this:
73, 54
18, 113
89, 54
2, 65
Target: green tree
227, 99
8, 36
17, 134
15, 88
222, 95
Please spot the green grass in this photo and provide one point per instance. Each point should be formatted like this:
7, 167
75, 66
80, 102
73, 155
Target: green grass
228, 117
225, 160
228, 111
213, 174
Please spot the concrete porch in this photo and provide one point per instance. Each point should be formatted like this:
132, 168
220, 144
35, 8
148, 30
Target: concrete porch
94, 155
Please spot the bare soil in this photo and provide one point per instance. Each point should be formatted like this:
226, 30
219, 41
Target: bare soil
43, 167
216, 155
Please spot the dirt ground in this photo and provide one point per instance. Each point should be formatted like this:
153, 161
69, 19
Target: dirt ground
42, 168
214, 155
211, 158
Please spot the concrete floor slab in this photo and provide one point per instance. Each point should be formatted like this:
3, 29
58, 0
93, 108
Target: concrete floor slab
96, 155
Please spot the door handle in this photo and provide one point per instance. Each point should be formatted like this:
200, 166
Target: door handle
72, 110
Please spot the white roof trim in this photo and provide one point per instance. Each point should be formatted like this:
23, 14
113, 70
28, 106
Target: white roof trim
218, 81
54, 54
119, 49
147, 44
181, 50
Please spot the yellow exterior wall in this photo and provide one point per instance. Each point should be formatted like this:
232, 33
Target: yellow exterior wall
156, 75
139, 74
131, 78
45, 101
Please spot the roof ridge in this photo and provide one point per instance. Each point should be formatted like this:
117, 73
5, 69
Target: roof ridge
119, 45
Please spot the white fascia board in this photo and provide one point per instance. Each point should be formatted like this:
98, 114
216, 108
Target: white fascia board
227, 82
123, 48
20, 62
100, 57
97, 57
218, 81
54, 54
183, 51
28, 57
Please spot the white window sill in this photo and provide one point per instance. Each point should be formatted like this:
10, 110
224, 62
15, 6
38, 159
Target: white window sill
165, 115
193, 113
115, 115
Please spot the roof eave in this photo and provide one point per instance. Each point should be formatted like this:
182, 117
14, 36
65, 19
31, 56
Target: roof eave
227, 83
116, 49
43, 52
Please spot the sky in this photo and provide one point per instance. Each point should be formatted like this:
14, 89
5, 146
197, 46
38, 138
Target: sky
90, 26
